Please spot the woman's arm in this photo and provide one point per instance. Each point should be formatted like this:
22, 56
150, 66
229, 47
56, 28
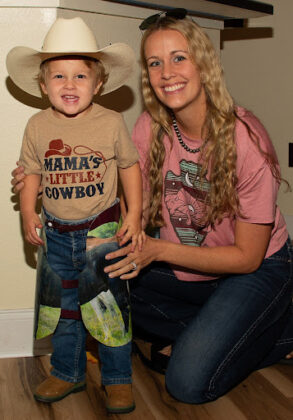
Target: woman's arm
245, 256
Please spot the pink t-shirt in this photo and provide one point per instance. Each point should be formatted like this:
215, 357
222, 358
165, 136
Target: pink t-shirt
184, 194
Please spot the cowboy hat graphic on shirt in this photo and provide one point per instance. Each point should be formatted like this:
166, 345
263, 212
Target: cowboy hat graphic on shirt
56, 147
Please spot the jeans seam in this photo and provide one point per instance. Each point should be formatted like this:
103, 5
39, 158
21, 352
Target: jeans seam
242, 340
280, 259
67, 378
78, 349
164, 272
117, 381
160, 311
285, 341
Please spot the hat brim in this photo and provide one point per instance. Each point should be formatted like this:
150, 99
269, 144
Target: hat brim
23, 65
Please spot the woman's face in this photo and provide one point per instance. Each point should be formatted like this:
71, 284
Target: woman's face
174, 77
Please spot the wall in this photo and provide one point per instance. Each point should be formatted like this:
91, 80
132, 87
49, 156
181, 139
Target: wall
259, 74
17, 261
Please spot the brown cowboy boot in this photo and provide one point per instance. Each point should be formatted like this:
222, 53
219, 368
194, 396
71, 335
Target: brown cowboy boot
119, 398
54, 389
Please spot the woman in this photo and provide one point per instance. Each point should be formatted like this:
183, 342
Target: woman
224, 296
218, 282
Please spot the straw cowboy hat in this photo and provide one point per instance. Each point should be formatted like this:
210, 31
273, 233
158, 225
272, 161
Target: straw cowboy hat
69, 37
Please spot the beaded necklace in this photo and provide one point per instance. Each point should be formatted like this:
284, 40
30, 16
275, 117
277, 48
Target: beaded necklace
178, 134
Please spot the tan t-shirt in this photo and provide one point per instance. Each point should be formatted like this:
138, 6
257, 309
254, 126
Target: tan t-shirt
77, 159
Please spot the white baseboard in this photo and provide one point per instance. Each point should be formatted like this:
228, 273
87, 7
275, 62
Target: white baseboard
16, 335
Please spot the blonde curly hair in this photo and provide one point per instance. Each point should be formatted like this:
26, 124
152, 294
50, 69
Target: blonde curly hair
96, 65
218, 155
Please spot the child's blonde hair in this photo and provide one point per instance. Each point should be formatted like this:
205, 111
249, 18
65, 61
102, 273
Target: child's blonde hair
92, 63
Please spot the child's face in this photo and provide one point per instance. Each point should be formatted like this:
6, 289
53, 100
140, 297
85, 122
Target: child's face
70, 85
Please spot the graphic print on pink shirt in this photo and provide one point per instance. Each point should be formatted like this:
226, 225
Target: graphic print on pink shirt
185, 195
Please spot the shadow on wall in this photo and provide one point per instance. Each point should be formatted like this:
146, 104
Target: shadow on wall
120, 100
26, 98
245, 33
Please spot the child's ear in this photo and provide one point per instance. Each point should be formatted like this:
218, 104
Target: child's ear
44, 89
98, 87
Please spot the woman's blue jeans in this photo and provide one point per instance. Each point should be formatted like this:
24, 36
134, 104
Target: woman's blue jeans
221, 330
66, 253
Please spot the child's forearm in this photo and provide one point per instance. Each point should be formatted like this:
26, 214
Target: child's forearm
132, 187
29, 193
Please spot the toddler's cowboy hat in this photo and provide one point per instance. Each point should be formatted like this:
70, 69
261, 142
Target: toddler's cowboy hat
69, 37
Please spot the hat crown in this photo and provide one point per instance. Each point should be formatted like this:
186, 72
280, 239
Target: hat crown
69, 35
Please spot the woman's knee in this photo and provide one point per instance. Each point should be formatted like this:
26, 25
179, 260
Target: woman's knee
190, 386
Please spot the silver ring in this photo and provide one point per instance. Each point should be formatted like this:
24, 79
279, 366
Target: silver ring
134, 266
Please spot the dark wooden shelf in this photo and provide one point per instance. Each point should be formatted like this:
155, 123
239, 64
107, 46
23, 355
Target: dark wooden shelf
214, 9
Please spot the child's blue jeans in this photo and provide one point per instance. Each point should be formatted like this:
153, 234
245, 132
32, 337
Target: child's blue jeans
67, 257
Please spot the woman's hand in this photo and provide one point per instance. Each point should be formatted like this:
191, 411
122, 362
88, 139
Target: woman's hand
130, 266
18, 177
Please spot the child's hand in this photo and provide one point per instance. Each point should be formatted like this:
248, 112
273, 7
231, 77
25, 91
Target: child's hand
31, 222
140, 240
131, 230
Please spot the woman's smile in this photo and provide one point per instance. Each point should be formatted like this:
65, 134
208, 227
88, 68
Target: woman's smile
174, 88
